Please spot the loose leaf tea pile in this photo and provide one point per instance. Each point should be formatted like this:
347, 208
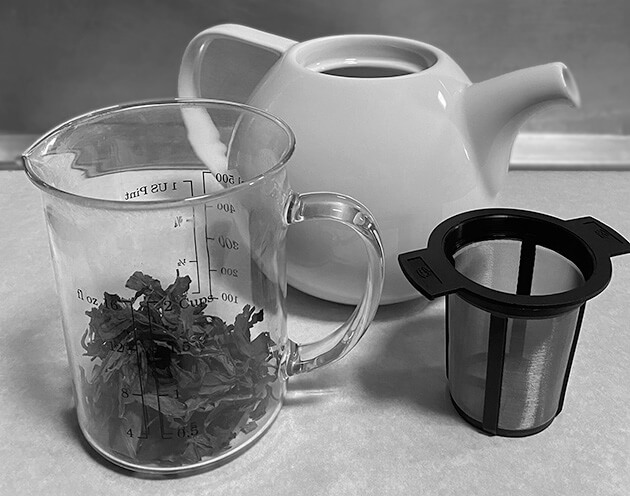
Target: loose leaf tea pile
171, 385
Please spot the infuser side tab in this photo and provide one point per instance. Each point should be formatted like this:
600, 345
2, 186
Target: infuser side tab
423, 270
600, 236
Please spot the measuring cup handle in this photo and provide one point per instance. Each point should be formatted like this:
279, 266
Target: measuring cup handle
340, 208
190, 69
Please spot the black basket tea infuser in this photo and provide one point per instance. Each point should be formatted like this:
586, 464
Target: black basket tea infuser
516, 285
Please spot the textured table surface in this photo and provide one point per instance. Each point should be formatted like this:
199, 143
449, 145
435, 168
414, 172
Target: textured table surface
377, 422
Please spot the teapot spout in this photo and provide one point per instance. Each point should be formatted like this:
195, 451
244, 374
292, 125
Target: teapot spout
495, 110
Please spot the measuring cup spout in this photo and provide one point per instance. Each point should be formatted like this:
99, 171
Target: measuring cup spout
495, 109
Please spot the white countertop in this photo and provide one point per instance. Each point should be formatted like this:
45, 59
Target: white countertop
378, 422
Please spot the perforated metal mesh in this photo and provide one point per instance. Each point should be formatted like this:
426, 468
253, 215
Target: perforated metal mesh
495, 264
520, 386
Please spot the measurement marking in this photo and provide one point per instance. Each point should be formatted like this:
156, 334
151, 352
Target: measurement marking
192, 193
163, 433
196, 252
204, 175
203, 180
209, 259
145, 415
208, 255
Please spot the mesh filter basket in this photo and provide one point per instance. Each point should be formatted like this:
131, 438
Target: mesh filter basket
516, 285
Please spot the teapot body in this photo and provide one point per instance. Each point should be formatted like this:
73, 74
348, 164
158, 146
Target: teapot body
394, 123
394, 143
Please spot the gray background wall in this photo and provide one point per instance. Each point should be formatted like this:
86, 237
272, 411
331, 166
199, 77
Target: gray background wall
65, 57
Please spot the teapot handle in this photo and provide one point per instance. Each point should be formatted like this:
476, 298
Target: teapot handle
203, 135
190, 69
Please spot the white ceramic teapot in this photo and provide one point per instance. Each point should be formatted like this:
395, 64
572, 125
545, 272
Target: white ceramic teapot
394, 123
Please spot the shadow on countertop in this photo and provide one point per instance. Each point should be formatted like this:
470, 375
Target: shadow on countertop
406, 363
409, 363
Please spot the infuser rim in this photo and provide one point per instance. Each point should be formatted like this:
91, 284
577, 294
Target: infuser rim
443, 245
102, 203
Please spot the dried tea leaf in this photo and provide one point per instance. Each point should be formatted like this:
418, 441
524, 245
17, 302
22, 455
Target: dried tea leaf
172, 385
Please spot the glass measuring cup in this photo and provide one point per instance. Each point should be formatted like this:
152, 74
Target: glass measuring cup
169, 259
